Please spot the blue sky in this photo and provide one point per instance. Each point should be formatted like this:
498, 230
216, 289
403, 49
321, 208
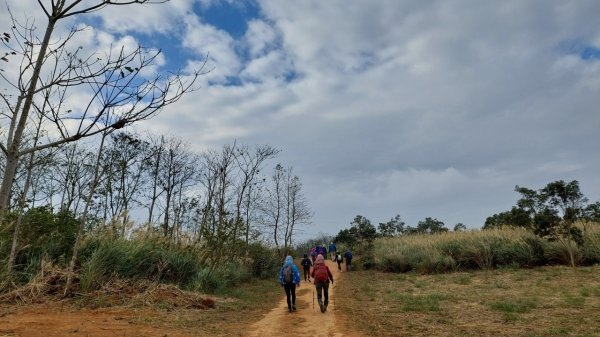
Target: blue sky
418, 108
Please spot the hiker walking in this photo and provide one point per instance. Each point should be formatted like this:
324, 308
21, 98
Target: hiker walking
332, 251
306, 264
321, 250
322, 275
289, 278
338, 259
313, 254
348, 257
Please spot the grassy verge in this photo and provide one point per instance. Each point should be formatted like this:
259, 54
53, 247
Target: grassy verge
547, 301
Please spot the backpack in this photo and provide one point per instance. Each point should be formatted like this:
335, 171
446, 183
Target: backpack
348, 256
321, 274
306, 262
288, 274
338, 257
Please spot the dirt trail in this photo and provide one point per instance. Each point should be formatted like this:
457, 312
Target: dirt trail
306, 320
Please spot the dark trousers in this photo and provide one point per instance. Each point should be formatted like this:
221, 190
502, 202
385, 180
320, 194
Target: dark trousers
348, 264
306, 273
290, 291
323, 287
339, 262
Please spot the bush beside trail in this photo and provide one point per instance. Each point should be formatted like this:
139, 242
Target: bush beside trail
105, 260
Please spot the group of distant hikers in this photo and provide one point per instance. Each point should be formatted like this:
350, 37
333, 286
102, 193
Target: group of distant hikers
289, 275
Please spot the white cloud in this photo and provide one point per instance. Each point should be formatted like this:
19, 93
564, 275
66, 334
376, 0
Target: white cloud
163, 18
260, 37
273, 65
206, 40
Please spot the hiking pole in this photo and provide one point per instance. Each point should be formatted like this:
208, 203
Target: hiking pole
313, 298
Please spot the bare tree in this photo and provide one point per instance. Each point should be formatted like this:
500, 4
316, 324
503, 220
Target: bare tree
49, 70
285, 207
249, 163
98, 172
124, 175
176, 174
297, 210
218, 222
153, 160
72, 174
274, 205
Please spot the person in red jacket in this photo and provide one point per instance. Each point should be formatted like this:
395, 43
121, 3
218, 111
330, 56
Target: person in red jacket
322, 275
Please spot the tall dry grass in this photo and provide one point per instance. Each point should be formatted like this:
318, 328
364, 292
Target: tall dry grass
478, 249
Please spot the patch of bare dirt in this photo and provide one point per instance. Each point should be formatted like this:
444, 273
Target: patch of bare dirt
57, 319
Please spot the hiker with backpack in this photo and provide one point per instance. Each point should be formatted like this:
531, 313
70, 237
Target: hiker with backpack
306, 264
348, 257
338, 259
322, 275
332, 250
322, 250
313, 254
289, 278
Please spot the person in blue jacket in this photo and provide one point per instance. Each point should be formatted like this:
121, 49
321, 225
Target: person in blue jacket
332, 251
289, 278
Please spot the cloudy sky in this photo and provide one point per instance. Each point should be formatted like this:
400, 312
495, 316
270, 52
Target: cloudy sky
384, 107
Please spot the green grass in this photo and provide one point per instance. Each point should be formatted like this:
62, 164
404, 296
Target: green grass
574, 301
421, 303
512, 306
548, 301
463, 279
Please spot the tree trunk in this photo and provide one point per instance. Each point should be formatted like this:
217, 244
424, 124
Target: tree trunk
21, 205
155, 182
84, 215
14, 144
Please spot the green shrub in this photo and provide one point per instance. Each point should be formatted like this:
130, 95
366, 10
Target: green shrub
138, 259
590, 249
43, 234
263, 261
563, 251
227, 276
395, 264
365, 261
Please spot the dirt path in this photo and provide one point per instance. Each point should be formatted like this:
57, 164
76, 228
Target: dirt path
306, 320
